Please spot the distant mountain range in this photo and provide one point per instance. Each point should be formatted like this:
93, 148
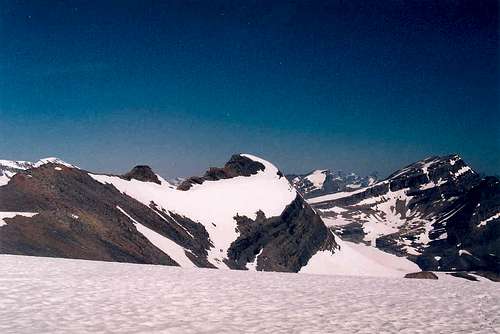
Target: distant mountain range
324, 181
436, 214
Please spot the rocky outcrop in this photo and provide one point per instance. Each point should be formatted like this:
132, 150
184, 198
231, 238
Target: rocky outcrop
142, 173
238, 165
422, 275
283, 243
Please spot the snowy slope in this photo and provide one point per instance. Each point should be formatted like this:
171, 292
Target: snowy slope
358, 260
214, 204
47, 295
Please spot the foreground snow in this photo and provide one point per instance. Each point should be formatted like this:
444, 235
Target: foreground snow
358, 260
45, 295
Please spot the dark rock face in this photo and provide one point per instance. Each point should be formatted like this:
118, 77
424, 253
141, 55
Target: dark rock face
334, 181
78, 217
238, 165
437, 212
471, 243
422, 275
464, 275
142, 173
285, 243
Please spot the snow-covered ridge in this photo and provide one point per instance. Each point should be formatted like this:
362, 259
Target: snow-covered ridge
8, 168
23, 165
52, 160
214, 204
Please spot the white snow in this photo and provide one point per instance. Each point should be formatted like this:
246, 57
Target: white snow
454, 159
9, 214
48, 295
486, 221
371, 180
253, 265
74, 216
376, 226
5, 177
335, 209
336, 221
57, 168
425, 167
463, 251
358, 260
167, 246
317, 178
462, 171
331, 197
52, 160
15, 164
432, 184
215, 203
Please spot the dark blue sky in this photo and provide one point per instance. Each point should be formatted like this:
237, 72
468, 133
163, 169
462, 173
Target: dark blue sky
182, 85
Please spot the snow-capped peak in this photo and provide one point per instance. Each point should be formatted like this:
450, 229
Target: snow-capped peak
52, 160
15, 164
269, 168
215, 202
8, 168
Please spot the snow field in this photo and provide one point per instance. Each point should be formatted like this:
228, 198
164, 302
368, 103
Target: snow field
48, 295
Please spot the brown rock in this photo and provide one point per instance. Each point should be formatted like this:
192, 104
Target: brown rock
422, 275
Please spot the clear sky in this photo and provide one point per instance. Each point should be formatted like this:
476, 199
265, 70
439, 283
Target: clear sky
181, 85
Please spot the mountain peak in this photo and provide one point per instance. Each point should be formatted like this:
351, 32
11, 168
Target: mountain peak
325, 181
142, 173
238, 165
51, 160
436, 168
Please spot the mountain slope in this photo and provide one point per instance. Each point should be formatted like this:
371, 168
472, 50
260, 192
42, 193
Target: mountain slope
437, 212
238, 217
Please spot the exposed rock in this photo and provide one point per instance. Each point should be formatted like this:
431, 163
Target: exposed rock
238, 165
285, 243
422, 275
78, 217
142, 173
463, 274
